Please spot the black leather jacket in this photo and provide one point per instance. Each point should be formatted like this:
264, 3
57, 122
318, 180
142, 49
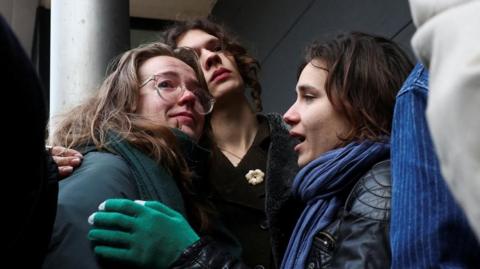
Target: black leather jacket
204, 254
358, 238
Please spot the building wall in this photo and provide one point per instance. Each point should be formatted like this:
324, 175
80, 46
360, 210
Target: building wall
20, 15
276, 32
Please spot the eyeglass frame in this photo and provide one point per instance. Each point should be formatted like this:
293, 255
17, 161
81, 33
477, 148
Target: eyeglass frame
210, 100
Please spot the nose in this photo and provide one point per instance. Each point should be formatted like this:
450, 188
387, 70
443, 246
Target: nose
188, 98
209, 59
291, 117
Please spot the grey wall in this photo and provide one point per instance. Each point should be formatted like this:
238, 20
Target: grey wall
138, 37
20, 15
276, 32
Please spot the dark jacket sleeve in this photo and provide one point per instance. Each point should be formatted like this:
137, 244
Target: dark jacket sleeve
101, 176
206, 254
358, 238
363, 240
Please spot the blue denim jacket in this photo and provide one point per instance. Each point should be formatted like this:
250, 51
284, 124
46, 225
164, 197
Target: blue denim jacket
428, 228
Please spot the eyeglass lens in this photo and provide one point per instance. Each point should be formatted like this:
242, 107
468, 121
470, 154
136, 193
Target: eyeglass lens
203, 105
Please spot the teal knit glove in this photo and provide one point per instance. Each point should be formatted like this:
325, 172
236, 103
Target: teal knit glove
140, 234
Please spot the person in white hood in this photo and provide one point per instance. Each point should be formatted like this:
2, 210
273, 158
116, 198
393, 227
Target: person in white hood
447, 42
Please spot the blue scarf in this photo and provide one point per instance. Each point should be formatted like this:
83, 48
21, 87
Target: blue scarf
317, 185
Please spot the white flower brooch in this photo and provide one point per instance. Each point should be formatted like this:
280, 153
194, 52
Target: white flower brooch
255, 177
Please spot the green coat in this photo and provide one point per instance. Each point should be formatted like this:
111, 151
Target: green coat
127, 173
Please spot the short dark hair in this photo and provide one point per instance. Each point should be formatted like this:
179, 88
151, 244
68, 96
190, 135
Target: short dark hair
248, 66
365, 72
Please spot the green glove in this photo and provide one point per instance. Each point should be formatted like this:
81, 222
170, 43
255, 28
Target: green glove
151, 235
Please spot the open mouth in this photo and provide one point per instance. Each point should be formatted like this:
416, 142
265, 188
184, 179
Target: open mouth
299, 137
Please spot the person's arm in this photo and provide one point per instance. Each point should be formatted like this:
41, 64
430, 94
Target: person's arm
363, 240
101, 176
151, 235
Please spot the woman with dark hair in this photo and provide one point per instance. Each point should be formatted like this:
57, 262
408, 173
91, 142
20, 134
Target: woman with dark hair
261, 213
131, 151
342, 118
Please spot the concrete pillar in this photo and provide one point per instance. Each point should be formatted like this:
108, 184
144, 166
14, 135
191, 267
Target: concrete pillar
85, 36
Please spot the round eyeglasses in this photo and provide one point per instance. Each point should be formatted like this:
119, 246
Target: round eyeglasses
204, 101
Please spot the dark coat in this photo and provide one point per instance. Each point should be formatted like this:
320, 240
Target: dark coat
30, 188
101, 176
281, 209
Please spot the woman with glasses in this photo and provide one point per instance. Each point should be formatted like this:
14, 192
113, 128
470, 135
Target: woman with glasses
147, 114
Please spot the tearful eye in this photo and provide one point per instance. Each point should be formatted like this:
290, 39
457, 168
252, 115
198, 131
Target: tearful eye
164, 84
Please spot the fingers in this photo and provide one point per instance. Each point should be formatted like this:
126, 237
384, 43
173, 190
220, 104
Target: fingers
123, 210
109, 237
66, 164
111, 253
64, 152
161, 208
111, 220
65, 171
67, 161
124, 206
